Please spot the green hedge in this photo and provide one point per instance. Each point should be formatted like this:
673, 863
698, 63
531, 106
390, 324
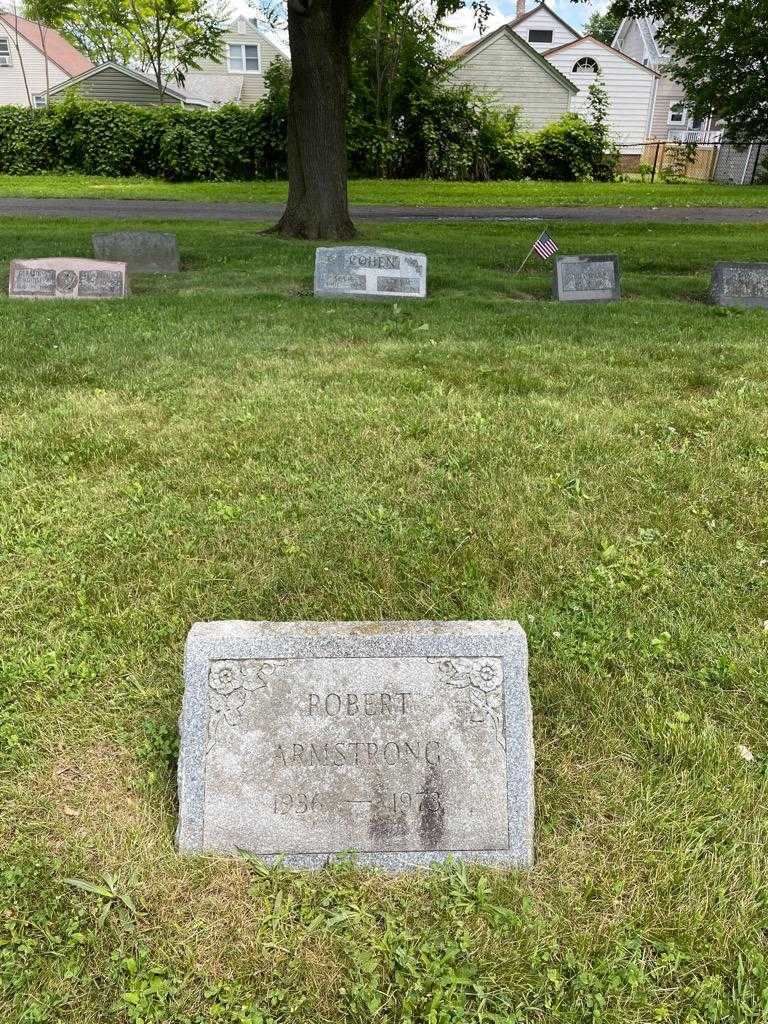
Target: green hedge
451, 134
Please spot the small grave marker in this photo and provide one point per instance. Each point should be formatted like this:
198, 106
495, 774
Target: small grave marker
67, 278
403, 741
586, 279
367, 272
144, 252
740, 284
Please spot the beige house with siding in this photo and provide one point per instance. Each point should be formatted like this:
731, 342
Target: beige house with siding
116, 83
238, 76
512, 73
32, 59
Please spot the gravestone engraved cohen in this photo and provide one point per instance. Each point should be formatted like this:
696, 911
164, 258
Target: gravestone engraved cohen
586, 278
405, 742
144, 252
67, 278
740, 284
367, 272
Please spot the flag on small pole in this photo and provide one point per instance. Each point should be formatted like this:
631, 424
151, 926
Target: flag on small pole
544, 247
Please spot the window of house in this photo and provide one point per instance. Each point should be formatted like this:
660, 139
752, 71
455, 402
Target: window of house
39, 100
243, 57
586, 66
678, 114
539, 35
5, 53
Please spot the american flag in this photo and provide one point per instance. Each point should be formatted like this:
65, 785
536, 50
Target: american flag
544, 246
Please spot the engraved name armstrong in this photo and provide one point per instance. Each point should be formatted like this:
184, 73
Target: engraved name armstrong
393, 763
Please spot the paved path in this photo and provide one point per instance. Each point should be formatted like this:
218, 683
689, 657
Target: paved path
172, 209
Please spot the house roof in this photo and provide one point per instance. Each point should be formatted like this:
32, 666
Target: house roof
553, 14
59, 51
605, 46
216, 89
524, 46
467, 47
265, 32
647, 30
111, 65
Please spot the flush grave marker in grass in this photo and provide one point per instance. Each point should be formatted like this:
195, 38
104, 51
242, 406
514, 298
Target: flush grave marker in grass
368, 272
740, 284
144, 252
64, 277
586, 278
404, 742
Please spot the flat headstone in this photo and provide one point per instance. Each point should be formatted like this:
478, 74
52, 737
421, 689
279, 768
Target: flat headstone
586, 278
404, 742
64, 277
367, 272
740, 284
144, 252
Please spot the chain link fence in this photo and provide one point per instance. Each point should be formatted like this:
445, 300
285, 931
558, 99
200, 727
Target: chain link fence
676, 159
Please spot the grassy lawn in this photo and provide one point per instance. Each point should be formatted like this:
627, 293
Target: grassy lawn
221, 445
416, 193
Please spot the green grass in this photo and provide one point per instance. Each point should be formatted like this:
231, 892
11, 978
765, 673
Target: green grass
221, 445
417, 193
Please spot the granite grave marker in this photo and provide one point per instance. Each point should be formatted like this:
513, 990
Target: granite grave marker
64, 277
586, 278
740, 284
367, 272
144, 252
405, 742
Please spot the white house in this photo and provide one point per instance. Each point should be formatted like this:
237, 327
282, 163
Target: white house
31, 60
579, 59
670, 117
238, 75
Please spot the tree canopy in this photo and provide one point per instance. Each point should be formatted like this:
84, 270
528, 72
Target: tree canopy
603, 26
718, 52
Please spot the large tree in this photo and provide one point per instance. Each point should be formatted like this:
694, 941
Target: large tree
320, 34
719, 54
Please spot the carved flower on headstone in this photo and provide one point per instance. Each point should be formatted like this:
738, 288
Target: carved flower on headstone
486, 676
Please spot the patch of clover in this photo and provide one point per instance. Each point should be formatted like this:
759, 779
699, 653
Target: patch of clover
482, 679
230, 683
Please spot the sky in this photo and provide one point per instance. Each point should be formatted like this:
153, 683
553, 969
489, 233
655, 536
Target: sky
504, 10
501, 11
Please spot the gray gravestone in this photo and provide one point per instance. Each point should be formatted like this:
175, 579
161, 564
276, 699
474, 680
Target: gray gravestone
586, 278
144, 252
367, 272
740, 284
67, 278
405, 742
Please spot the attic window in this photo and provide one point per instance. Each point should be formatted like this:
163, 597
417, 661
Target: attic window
539, 35
5, 53
243, 57
586, 66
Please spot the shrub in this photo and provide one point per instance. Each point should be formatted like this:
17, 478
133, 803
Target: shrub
569, 150
448, 133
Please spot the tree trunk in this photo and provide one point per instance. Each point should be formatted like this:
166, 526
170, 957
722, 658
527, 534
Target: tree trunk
319, 33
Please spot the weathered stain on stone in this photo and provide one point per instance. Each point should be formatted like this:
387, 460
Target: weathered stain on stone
432, 810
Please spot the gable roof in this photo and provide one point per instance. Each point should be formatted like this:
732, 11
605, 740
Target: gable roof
59, 51
605, 46
111, 65
647, 32
528, 50
553, 14
259, 30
